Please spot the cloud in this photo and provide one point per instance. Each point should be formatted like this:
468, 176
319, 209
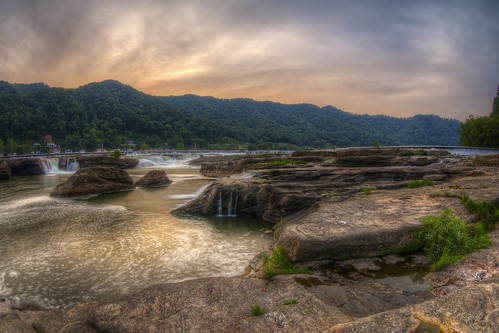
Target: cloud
383, 56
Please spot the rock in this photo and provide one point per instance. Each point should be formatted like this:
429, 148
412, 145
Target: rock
370, 225
248, 197
153, 178
471, 309
25, 167
106, 161
5, 171
94, 180
203, 305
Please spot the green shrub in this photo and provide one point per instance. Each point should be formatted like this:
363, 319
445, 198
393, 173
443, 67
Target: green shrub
487, 212
257, 310
420, 183
445, 238
279, 263
367, 190
116, 154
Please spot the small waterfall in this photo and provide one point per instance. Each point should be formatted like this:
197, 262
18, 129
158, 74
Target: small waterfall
220, 208
72, 165
151, 161
234, 213
231, 205
50, 165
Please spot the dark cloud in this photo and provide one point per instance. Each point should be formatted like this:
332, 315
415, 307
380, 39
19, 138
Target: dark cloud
378, 56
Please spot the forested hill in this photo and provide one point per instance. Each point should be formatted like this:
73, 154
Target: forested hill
309, 125
112, 115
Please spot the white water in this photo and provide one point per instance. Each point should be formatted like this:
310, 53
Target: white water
50, 165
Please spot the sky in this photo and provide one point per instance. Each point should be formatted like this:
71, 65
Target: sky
392, 57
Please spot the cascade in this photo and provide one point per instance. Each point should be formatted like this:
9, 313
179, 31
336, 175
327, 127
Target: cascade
72, 165
50, 165
231, 205
234, 213
150, 161
220, 208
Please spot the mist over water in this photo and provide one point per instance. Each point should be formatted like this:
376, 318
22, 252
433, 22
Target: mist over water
58, 252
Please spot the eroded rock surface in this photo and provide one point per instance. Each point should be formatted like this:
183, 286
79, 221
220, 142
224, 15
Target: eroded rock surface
203, 305
25, 167
95, 180
107, 161
154, 178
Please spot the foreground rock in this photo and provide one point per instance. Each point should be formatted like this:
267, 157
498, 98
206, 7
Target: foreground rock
154, 178
204, 305
471, 310
106, 161
94, 180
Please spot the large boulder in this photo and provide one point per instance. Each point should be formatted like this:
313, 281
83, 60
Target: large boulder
26, 167
94, 180
154, 178
106, 161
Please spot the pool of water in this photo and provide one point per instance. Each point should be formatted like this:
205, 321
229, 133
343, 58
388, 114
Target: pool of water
56, 253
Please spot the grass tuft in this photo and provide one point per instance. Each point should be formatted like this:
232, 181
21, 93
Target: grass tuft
257, 310
420, 183
367, 190
290, 301
279, 263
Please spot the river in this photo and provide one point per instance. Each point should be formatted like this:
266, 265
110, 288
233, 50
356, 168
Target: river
55, 253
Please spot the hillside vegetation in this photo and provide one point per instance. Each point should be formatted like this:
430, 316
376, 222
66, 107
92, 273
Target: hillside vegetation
111, 115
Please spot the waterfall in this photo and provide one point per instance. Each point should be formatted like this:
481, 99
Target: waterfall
50, 165
220, 208
72, 165
231, 207
234, 213
152, 161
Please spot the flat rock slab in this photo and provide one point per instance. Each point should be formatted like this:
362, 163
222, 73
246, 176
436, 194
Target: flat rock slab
203, 305
372, 225
470, 310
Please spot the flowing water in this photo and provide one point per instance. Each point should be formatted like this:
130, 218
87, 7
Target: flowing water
58, 252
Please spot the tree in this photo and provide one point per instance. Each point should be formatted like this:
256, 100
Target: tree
482, 131
116, 154
495, 105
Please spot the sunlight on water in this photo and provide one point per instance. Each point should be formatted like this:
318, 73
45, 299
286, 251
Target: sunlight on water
59, 252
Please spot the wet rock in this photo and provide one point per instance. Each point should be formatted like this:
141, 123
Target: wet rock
95, 180
106, 161
5, 171
25, 167
154, 178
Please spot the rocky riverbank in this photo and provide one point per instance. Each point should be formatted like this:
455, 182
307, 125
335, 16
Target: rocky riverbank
326, 206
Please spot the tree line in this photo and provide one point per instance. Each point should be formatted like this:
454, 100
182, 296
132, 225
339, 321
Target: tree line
482, 131
113, 115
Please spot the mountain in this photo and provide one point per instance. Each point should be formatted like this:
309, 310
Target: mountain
112, 114
309, 125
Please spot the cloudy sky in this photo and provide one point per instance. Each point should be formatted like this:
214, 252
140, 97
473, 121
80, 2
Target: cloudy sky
393, 57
